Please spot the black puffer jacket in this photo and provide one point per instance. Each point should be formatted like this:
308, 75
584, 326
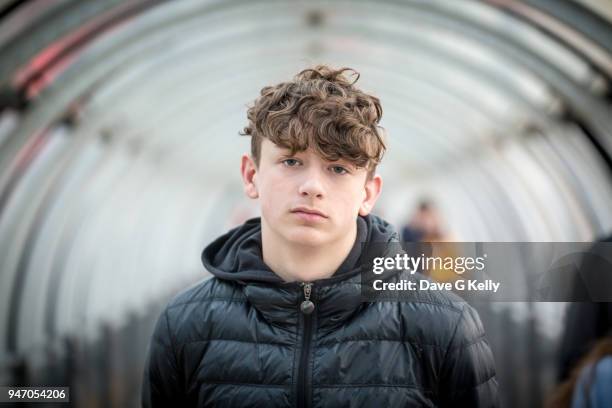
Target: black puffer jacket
240, 339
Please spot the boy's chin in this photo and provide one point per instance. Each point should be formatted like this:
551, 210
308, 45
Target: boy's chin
307, 237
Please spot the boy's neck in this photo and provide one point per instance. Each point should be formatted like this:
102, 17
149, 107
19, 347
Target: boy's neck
302, 263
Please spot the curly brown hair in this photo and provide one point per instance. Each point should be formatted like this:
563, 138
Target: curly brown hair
322, 109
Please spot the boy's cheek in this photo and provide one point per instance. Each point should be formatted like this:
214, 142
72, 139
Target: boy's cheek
268, 210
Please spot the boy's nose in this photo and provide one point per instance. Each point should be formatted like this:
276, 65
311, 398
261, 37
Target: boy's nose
311, 186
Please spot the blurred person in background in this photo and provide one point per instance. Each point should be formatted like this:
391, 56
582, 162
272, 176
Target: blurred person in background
427, 227
590, 382
425, 224
587, 319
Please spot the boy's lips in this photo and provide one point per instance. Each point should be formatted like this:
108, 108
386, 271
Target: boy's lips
307, 211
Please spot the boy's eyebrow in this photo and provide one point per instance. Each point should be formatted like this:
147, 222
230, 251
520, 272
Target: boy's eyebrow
282, 151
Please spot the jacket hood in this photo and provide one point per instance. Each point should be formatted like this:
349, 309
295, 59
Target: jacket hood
237, 255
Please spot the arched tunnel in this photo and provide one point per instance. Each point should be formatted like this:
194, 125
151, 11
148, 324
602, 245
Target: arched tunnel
120, 156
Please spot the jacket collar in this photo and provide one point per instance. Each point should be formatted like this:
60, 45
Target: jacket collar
236, 256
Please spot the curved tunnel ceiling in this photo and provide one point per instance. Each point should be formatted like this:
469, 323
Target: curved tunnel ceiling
120, 143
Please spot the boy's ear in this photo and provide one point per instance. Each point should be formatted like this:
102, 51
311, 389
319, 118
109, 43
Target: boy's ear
373, 187
248, 169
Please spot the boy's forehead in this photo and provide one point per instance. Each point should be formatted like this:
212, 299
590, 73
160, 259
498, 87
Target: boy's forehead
273, 148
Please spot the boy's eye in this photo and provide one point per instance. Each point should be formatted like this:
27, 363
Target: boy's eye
290, 162
339, 170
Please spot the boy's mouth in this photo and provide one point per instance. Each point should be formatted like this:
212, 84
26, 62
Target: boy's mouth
308, 213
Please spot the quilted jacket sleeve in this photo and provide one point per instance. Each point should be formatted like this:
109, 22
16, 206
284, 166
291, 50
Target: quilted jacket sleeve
468, 373
162, 385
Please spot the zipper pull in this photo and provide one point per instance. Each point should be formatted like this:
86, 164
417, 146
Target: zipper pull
307, 307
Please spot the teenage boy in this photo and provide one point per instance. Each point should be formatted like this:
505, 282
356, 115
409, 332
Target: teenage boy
282, 322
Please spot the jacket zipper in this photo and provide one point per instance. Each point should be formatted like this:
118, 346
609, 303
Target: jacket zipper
306, 309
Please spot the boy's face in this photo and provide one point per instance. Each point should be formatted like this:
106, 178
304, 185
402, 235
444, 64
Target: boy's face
306, 199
